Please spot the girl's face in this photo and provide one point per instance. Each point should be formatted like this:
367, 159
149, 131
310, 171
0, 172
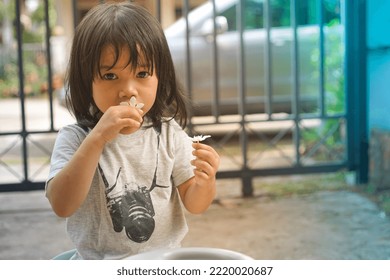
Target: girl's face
120, 83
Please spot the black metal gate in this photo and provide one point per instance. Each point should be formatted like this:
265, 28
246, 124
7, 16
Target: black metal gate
24, 153
287, 110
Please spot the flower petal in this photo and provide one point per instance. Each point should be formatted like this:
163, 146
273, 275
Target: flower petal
133, 101
199, 138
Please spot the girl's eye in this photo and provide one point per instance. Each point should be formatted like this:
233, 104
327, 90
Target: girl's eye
110, 76
143, 74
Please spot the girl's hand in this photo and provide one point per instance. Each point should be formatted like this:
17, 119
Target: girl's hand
198, 192
206, 164
118, 120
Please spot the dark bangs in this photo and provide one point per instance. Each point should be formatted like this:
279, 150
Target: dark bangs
119, 30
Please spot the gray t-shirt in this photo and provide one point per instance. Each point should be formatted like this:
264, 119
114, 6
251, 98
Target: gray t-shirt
133, 204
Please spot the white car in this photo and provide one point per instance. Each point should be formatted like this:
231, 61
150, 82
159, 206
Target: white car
279, 93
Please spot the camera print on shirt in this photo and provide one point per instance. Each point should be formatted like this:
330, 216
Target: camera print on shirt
132, 207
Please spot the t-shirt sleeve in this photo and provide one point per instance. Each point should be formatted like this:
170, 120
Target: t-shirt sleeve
182, 169
67, 142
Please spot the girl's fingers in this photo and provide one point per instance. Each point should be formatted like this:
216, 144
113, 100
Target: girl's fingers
131, 112
205, 167
120, 119
201, 165
207, 154
201, 173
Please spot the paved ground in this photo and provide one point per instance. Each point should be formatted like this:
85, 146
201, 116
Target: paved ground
323, 225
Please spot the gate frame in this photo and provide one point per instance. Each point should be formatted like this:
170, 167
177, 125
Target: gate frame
356, 100
26, 184
356, 88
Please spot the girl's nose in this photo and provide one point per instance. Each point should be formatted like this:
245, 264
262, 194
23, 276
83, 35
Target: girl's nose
124, 94
127, 94
128, 90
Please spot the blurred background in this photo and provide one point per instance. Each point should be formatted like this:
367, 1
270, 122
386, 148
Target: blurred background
283, 86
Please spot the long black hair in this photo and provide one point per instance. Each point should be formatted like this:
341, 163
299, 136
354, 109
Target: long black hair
122, 25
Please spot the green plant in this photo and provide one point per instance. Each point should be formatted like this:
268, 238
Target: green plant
35, 75
34, 57
331, 131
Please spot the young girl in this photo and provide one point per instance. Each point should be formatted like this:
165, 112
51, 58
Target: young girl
121, 174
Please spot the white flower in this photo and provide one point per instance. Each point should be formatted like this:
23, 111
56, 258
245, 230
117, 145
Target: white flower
133, 103
139, 105
199, 138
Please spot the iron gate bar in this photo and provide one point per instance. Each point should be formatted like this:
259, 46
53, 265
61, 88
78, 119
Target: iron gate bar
261, 118
158, 10
188, 80
49, 69
246, 179
75, 14
221, 143
356, 87
6, 166
267, 58
321, 65
272, 142
251, 173
21, 88
215, 105
12, 145
323, 138
8, 133
295, 72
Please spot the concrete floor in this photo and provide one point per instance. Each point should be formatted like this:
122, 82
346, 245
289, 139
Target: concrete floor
322, 225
